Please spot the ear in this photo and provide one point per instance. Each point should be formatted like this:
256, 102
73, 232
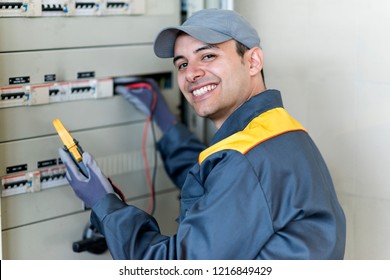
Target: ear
255, 56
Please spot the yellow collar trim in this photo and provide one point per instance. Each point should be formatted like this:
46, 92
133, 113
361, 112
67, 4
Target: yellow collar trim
266, 126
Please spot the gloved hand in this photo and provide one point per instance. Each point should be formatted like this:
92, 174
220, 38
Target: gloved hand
140, 93
92, 189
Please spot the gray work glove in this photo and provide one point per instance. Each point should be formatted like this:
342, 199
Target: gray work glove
140, 93
90, 190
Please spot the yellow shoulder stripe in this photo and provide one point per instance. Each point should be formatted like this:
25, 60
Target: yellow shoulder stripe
266, 126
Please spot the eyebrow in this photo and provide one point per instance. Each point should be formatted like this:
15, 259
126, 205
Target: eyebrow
205, 47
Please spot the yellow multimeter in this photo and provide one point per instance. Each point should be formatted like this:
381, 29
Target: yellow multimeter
71, 146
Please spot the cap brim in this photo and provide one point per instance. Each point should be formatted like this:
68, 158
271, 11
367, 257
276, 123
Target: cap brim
164, 43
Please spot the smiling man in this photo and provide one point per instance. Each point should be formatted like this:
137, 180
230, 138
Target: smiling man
261, 190
210, 76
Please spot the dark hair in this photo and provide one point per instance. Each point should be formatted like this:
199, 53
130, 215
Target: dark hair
241, 49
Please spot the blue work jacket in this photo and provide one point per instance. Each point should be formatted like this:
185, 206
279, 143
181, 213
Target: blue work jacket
261, 190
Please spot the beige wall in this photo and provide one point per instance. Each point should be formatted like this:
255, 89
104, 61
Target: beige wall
330, 60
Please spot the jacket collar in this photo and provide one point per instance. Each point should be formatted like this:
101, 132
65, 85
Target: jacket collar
240, 118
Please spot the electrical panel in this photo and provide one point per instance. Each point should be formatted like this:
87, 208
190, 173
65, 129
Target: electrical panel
60, 59
38, 8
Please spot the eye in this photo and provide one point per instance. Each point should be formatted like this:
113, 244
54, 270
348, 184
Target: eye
208, 56
181, 66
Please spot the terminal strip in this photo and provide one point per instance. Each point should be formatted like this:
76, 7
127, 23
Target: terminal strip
16, 8
30, 95
6, 5
34, 181
87, 8
49, 8
56, 7
14, 96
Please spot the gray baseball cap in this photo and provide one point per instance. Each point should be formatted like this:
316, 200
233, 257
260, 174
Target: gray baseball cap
212, 26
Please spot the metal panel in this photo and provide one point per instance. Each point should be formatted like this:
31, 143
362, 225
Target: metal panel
119, 157
24, 34
28, 122
53, 238
65, 48
104, 62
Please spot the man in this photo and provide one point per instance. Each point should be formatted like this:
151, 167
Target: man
261, 190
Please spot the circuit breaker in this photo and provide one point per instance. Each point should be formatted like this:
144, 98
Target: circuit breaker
60, 59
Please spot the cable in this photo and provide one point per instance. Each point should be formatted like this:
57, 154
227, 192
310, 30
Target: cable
154, 168
141, 84
151, 203
124, 85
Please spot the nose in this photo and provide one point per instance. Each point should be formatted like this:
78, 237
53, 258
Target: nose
194, 72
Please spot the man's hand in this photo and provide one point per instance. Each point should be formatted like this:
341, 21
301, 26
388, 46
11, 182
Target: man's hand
146, 96
91, 189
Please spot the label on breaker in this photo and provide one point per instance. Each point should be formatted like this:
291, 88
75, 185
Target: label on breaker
86, 75
16, 168
50, 78
19, 80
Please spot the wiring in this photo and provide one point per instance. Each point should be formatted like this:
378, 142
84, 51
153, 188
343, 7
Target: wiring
154, 169
149, 122
152, 202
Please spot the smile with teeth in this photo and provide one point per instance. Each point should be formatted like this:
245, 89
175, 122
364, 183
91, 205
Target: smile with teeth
203, 90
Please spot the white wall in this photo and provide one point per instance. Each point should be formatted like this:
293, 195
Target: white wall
330, 60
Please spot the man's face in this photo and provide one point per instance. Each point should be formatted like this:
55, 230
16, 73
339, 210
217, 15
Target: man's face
214, 79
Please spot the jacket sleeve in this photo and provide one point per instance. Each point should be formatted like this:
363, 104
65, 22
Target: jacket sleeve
179, 149
130, 233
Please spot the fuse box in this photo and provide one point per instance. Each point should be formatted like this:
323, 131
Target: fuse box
59, 59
